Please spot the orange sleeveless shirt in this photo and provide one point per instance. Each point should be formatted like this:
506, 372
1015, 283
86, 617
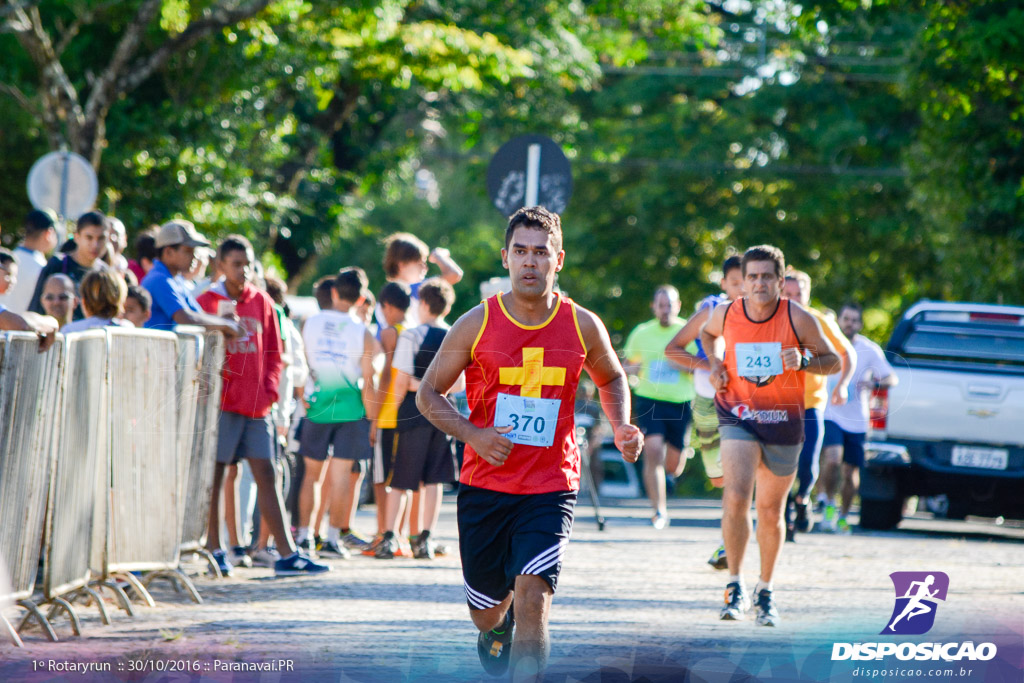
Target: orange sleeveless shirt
528, 374
761, 397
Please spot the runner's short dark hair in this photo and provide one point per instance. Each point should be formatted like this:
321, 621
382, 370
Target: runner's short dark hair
145, 246
322, 291
765, 252
853, 306
91, 218
397, 295
732, 263
438, 295
350, 283
142, 296
37, 222
536, 218
234, 243
400, 248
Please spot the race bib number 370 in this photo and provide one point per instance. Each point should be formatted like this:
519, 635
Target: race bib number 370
533, 420
759, 360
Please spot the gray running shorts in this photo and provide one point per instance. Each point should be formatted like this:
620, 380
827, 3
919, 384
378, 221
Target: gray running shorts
780, 459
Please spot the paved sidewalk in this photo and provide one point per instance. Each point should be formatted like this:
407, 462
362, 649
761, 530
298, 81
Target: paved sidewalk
631, 598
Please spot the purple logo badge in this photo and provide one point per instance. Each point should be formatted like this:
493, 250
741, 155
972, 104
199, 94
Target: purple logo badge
917, 595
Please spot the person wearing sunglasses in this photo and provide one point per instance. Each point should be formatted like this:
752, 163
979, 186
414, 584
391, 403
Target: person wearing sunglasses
59, 299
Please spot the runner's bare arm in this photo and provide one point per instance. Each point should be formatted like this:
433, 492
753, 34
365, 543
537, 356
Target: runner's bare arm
610, 379
369, 392
711, 331
450, 270
452, 358
840, 393
676, 349
825, 360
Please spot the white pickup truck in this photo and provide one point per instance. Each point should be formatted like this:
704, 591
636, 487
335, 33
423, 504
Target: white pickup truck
954, 425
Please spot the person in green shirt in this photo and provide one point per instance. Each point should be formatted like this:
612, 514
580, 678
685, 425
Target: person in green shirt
662, 395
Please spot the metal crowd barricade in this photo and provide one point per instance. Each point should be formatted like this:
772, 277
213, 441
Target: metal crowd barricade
203, 455
146, 502
76, 514
29, 396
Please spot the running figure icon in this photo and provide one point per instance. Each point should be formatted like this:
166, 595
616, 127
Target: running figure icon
916, 606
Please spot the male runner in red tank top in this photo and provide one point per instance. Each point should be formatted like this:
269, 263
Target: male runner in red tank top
769, 343
522, 352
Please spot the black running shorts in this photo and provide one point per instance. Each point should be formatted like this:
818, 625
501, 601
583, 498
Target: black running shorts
421, 455
664, 418
503, 535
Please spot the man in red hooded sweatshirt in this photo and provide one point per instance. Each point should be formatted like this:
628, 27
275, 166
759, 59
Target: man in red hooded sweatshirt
252, 372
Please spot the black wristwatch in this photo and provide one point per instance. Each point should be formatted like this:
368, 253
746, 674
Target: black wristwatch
804, 362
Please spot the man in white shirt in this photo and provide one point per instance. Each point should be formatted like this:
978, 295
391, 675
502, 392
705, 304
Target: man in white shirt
30, 255
846, 425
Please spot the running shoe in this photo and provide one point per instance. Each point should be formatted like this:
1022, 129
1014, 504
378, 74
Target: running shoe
495, 647
297, 565
764, 606
223, 563
659, 521
388, 547
354, 541
819, 506
266, 557
332, 549
371, 549
736, 603
306, 545
843, 527
830, 520
804, 518
718, 558
423, 547
240, 557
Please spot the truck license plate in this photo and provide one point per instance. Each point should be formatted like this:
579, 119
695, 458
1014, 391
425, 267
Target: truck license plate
982, 458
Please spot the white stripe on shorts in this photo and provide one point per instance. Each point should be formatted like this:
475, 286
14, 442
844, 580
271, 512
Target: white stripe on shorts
534, 565
478, 599
378, 459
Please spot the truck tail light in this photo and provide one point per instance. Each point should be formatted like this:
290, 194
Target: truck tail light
878, 409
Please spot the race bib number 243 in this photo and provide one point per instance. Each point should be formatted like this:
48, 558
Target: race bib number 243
533, 420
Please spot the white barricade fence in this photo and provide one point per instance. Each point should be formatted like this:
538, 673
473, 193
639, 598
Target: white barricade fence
75, 515
30, 385
203, 455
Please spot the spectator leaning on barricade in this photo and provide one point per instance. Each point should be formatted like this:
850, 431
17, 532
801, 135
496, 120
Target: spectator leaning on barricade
422, 453
172, 303
103, 293
40, 239
42, 325
59, 298
137, 306
252, 372
8, 271
91, 235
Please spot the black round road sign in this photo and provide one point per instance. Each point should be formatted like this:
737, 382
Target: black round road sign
529, 170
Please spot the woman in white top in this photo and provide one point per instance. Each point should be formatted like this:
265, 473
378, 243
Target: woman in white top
103, 293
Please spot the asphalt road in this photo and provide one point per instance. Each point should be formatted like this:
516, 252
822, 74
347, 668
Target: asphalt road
633, 603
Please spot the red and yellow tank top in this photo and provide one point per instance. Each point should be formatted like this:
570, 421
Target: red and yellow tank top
525, 376
761, 396
387, 418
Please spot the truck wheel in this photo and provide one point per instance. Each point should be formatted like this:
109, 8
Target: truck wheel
881, 515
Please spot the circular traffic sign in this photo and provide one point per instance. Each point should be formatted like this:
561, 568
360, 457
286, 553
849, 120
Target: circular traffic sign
529, 170
63, 182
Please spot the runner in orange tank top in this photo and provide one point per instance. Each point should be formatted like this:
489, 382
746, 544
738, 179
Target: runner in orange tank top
760, 404
522, 353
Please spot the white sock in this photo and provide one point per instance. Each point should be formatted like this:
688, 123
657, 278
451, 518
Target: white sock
302, 534
761, 585
333, 534
822, 498
736, 578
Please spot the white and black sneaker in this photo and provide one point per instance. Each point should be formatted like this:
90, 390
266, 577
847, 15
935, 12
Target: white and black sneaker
335, 549
767, 615
298, 564
736, 603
